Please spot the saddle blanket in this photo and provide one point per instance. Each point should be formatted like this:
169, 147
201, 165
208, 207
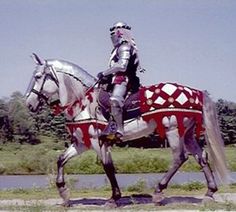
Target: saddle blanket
159, 101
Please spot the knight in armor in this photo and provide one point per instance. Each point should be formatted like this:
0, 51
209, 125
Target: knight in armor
123, 65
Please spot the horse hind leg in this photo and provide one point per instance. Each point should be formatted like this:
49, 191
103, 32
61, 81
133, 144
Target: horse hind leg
200, 156
179, 157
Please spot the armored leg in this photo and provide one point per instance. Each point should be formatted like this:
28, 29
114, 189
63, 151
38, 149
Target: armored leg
117, 115
117, 102
114, 130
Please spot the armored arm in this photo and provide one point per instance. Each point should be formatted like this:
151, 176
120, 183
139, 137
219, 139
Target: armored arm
123, 60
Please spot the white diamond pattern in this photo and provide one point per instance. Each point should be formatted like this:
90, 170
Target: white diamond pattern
160, 100
182, 98
149, 94
169, 89
167, 94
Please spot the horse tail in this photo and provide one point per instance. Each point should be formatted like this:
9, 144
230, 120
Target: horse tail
214, 140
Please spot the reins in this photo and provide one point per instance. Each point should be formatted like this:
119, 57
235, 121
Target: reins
91, 87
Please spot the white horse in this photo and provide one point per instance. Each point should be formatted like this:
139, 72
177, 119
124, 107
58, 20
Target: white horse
174, 111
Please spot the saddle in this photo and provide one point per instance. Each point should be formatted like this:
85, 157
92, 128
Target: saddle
131, 108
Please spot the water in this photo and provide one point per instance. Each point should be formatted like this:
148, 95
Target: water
99, 180
23, 181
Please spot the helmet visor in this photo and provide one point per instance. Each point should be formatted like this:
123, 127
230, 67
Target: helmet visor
114, 38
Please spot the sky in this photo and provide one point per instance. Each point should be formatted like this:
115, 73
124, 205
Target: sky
190, 42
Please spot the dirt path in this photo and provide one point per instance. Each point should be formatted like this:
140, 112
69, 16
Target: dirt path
124, 201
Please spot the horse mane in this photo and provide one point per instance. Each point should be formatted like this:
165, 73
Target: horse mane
73, 70
74, 80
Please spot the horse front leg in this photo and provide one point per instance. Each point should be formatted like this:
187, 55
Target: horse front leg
105, 155
179, 157
73, 150
116, 194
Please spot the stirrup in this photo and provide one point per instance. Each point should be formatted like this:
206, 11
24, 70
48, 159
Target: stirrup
111, 137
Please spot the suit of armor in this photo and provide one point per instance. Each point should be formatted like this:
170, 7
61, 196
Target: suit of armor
123, 65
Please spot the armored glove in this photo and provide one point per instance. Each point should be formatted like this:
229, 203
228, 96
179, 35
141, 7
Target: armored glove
100, 75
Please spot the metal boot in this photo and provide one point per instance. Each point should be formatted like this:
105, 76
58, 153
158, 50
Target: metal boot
114, 129
117, 114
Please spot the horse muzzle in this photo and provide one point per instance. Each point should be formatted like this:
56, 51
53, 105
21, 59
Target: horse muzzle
36, 107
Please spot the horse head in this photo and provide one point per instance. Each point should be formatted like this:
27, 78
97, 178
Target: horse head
43, 85
57, 80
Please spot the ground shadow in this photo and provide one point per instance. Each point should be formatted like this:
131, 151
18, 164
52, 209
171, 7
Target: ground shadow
181, 199
136, 199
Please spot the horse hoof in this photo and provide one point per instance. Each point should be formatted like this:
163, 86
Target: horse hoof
208, 199
66, 204
157, 198
64, 194
111, 203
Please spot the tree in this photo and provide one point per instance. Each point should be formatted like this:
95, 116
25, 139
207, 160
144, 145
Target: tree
22, 121
227, 119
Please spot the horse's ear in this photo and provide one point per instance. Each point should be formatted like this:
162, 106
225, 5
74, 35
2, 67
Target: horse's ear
37, 60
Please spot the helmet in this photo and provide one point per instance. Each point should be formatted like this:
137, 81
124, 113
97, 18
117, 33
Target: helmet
120, 25
119, 33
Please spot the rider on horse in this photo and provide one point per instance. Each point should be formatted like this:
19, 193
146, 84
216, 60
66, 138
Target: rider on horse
123, 65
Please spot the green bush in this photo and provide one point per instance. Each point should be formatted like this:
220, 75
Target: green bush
85, 164
139, 186
193, 186
38, 162
141, 162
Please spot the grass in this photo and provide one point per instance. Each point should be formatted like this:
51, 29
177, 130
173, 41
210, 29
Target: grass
41, 159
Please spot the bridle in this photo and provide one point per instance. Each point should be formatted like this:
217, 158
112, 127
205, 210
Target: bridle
42, 97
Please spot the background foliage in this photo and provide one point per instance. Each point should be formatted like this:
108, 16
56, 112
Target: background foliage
26, 127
